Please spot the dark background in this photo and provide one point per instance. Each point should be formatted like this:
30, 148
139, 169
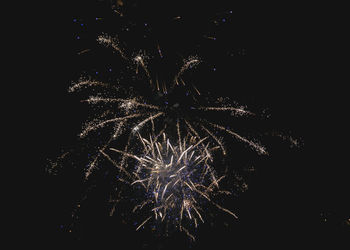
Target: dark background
282, 59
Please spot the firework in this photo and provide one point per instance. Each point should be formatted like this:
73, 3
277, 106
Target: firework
171, 173
176, 179
134, 114
130, 110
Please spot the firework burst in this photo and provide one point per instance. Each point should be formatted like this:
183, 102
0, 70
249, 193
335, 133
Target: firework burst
161, 136
129, 110
176, 180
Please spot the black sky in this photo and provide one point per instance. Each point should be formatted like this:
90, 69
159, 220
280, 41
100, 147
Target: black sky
298, 199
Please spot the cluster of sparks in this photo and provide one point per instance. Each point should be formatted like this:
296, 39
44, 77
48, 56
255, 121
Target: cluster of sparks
140, 60
137, 114
175, 179
145, 113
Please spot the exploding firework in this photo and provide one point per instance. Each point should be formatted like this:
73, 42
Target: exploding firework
129, 110
176, 180
172, 175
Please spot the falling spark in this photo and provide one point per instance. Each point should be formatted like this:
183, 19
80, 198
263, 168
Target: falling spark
188, 63
143, 223
210, 37
85, 83
159, 51
140, 61
108, 41
83, 51
260, 149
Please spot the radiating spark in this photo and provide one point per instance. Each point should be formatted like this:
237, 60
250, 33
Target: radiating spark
143, 223
188, 63
85, 83
120, 167
83, 51
236, 110
125, 103
226, 210
159, 51
139, 126
210, 37
196, 90
260, 149
108, 41
188, 233
140, 61
216, 139
95, 126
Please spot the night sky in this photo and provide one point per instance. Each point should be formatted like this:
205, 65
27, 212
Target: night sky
263, 56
